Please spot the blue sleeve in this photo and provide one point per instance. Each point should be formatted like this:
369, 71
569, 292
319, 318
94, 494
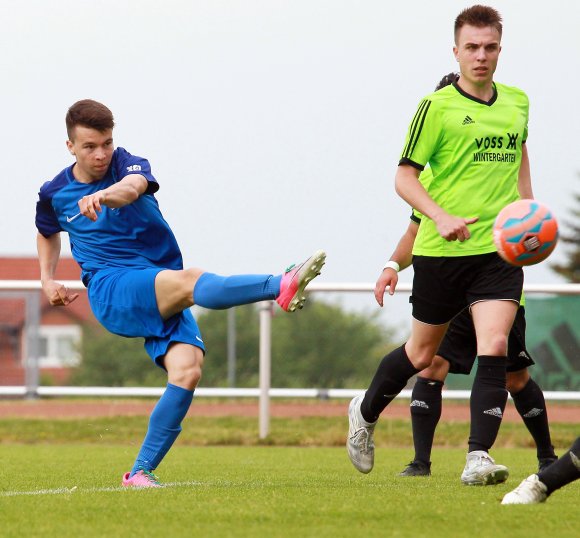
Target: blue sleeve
46, 220
124, 164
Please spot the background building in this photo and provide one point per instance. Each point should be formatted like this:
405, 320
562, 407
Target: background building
60, 328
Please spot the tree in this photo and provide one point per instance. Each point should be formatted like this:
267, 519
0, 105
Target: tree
571, 269
324, 346
213, 326
321, 346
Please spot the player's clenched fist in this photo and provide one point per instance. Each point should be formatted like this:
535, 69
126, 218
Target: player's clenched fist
90, 205
58, 294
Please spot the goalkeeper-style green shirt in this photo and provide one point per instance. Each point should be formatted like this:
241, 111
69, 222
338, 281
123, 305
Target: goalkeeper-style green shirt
474, 151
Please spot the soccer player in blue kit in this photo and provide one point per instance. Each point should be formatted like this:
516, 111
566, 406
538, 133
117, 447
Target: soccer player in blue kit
132, 267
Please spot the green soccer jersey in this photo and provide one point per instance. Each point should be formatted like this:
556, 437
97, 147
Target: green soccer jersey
425, 178
474, 151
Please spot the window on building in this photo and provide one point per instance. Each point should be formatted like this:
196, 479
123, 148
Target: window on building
59, 346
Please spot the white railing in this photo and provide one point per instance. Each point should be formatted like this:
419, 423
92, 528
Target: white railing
264, 392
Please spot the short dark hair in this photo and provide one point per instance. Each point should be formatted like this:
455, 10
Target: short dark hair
448, 79
88, 113
480, 17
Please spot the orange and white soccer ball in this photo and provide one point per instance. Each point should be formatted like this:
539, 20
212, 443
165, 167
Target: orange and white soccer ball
525, 232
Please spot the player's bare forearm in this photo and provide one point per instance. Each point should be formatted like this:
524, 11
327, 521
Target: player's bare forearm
48, 256
120, 194
450, 227
410, 189
403, 253
403, 256
525, 176
126, 191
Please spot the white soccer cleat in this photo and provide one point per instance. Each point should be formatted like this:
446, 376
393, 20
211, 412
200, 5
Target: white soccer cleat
360, 445
530, 491
481, 470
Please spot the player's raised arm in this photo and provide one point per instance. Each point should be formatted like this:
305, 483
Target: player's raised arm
119, 194
48, 256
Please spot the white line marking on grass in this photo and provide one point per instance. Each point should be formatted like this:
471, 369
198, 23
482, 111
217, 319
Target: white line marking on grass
76, 489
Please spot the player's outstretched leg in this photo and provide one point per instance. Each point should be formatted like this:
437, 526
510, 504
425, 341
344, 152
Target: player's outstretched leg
296, 278
219, 292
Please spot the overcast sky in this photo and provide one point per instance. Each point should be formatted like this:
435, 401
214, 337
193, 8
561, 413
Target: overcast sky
273, 127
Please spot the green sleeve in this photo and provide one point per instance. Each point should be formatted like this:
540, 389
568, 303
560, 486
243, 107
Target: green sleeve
423, 135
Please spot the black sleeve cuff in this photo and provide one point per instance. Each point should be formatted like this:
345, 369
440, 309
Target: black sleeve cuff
418, 166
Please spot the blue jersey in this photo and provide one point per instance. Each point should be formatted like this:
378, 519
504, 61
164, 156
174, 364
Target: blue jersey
134, 236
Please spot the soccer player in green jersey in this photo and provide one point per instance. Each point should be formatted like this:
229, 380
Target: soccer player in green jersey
457, 355
472, 134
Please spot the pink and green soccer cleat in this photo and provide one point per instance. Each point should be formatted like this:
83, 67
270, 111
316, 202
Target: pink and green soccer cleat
296, 278
141, 479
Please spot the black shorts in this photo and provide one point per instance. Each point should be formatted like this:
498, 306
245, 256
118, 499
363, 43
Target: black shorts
459, 347
443, 287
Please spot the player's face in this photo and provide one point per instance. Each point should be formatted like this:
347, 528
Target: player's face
477, 51
93, 151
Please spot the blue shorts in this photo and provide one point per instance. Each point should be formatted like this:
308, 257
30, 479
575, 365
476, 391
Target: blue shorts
124, 302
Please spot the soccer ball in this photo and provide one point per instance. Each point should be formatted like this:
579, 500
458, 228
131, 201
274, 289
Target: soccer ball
525, 232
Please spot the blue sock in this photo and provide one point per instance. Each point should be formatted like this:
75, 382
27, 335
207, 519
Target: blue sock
218, 292
164, 427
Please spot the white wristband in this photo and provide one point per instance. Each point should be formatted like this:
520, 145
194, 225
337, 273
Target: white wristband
392, 265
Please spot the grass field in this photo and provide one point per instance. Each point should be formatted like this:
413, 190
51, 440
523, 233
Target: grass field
61, 478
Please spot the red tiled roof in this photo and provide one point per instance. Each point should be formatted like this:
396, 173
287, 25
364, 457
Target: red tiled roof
27, 268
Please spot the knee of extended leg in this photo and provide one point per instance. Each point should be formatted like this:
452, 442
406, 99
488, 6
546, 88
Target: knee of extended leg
189, 277
188, 377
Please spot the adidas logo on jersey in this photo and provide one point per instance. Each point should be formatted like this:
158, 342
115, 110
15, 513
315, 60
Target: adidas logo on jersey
496, 412
419, 403
467, 121
535, 412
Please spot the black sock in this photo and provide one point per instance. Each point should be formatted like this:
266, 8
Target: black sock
531, 405
425, 414
563, 471
391, 377
487, 403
